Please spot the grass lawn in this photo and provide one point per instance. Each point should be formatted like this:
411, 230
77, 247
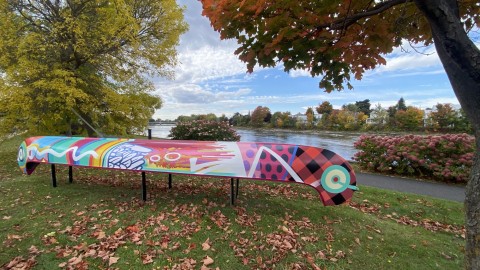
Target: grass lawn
100, 222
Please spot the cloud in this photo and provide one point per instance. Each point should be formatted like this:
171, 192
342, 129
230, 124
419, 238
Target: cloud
208, 63
299, 73
195, 94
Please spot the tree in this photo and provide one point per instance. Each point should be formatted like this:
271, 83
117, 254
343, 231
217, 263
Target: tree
401, 105
238, 119
68, 63
324, 108
350, 107
379, 117
334, 39
409, 119
310, 117
364, 106
444, 117
260, 115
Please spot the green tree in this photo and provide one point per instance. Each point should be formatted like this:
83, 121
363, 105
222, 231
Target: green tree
444, 117
237, 119
401, 105
364, 106
350, 107
277, 120
462, 124
61, 59
334, 39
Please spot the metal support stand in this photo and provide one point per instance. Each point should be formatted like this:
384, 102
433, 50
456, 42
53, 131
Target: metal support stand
70, 174
238, 185
144, 186
232, 194
169, 181
144, 176
54, 176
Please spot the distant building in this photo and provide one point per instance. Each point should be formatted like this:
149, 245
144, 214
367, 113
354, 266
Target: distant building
300, 117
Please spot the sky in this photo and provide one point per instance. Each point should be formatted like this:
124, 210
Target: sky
210, 79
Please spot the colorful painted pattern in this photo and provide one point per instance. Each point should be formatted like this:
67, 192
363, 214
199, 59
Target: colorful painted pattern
331, 175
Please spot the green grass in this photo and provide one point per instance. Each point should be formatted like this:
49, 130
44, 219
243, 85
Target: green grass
101, 217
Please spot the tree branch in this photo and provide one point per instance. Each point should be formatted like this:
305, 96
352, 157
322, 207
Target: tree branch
347, 21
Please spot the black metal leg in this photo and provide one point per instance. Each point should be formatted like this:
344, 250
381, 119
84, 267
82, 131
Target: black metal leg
70, 174
238, 185
169, 181
54, 176
232, 195
144, 186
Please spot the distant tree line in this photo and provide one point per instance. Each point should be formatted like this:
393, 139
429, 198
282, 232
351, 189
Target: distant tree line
358, 116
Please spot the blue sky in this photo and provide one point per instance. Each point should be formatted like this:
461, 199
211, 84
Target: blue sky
211, 79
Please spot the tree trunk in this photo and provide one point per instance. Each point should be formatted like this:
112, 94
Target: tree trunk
461, 60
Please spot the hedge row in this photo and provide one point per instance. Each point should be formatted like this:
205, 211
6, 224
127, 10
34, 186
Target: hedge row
204, 130
446, 158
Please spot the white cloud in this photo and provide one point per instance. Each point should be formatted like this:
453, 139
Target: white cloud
208, 63
299, 73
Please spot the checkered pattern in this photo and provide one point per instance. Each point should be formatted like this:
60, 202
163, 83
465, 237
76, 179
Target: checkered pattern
311, 162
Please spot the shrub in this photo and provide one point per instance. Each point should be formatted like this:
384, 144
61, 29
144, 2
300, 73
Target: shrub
442, 157
204, 130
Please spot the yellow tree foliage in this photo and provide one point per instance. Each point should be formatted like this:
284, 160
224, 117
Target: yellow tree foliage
88, 56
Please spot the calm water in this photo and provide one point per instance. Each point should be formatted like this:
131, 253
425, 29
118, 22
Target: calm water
338, 142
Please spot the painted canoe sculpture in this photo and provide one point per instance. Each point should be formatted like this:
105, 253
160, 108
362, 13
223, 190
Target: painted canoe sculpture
330, 174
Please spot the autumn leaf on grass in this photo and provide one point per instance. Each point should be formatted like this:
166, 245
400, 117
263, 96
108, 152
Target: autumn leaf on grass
357, 240
207, 261
146, 259
14, 237
33, 250
20, 263
112, 260
206, 245
312, 262
133, 228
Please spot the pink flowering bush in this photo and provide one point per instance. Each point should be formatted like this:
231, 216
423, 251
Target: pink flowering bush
442, 157
204, 130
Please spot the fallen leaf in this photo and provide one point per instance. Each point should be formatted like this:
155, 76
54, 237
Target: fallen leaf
206, 245
14, 236
75, 260
357, 240
112, 260
101, 235
147, 259
207, 261
312, 263
33, 250
446, 256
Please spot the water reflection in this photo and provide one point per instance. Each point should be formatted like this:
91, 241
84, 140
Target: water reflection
338, 142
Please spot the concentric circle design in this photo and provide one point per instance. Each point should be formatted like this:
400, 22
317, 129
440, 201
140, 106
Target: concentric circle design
335, 179
22, 155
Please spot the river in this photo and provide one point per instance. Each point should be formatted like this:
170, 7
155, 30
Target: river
338, 142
